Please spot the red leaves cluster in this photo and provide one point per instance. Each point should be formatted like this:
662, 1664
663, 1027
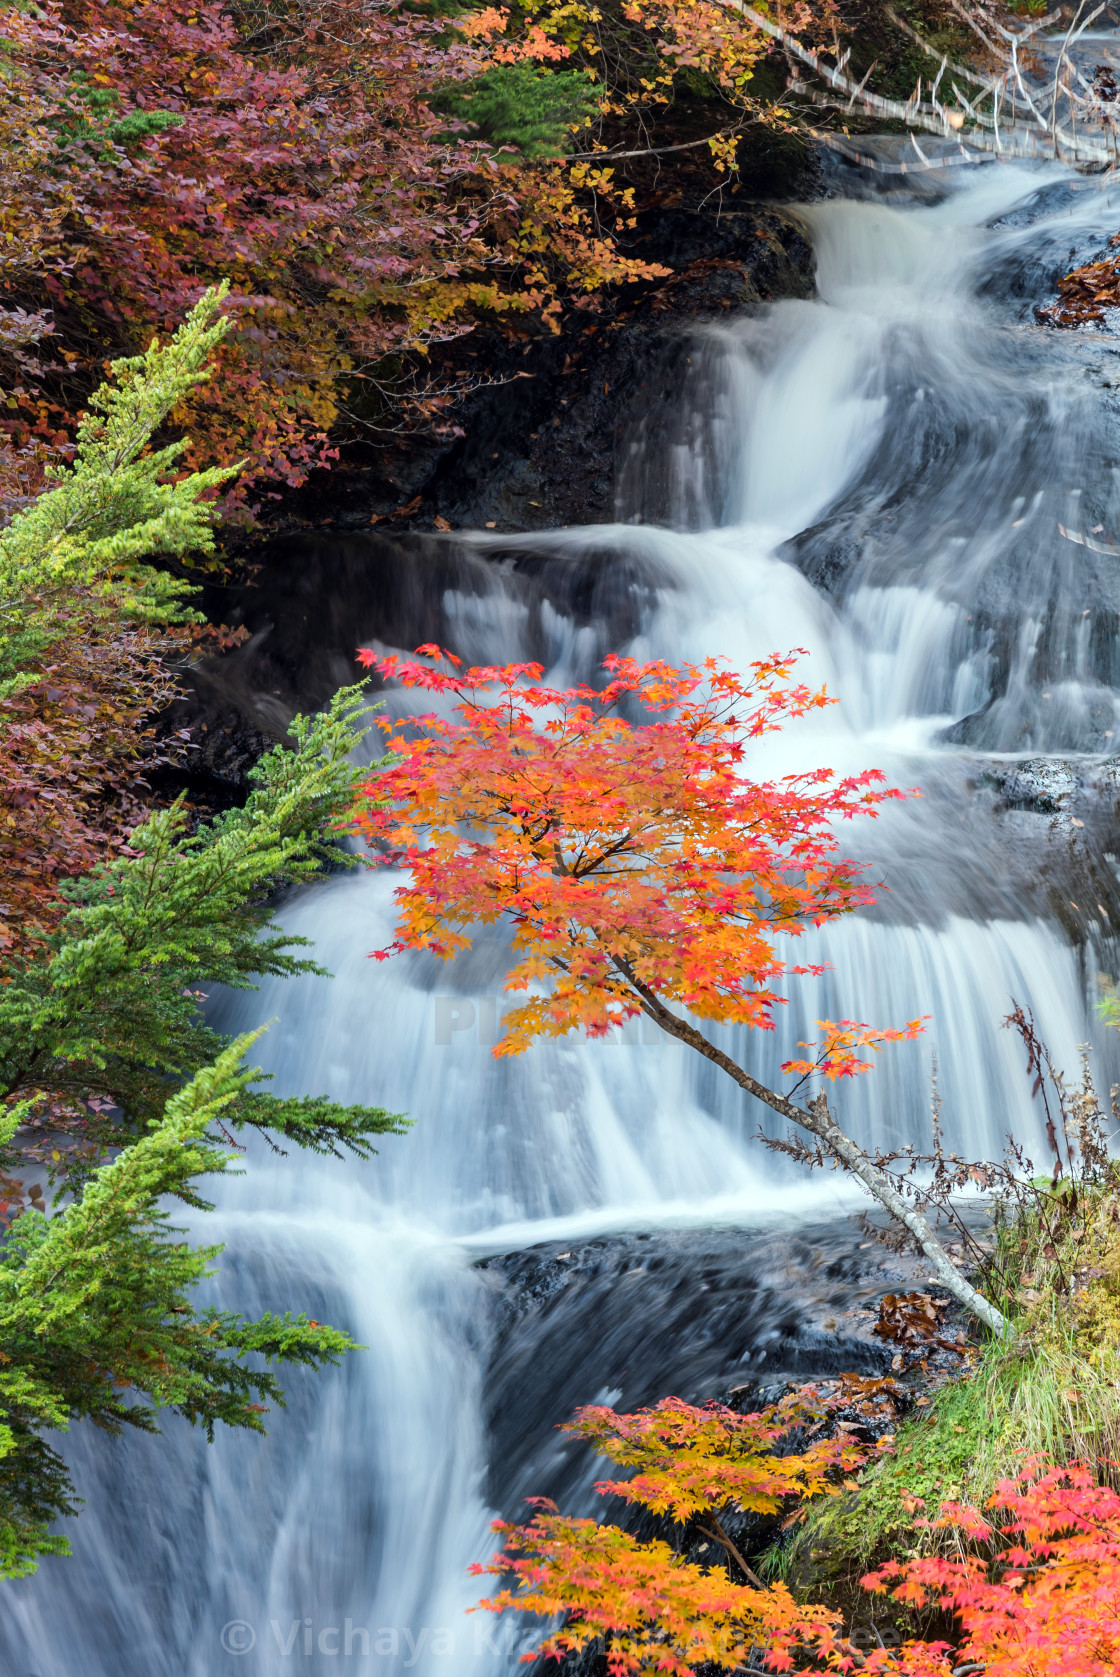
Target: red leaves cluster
1044, 1599
632, 858
74, 748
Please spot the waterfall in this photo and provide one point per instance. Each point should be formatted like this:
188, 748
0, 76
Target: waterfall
879, 476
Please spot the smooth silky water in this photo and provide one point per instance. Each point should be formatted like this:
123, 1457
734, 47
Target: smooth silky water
878, 476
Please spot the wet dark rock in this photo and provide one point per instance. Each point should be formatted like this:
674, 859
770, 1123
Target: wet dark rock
221, 741
1047, 784
1104, 778
320, 596
699, 1314
541, 434
362, 553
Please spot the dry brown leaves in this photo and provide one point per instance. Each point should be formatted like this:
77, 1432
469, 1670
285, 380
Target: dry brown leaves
1083, 295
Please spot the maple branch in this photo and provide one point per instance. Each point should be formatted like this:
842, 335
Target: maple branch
657, 151
818, 1120
720, 1536
707, 927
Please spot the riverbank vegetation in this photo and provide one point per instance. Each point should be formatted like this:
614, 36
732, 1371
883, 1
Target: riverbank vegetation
326, 195
965, 1523
1023, 1585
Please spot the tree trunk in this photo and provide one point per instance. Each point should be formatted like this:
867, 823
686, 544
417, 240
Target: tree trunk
818, 1120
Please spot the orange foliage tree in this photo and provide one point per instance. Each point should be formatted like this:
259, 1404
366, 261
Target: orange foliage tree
656, 1610
1034, 1588
640, 868
691, 1462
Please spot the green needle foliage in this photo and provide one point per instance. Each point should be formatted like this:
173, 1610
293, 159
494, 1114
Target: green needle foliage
103, 1048
528, 110
97, 1318
109, 1073
110, 1012
118, 503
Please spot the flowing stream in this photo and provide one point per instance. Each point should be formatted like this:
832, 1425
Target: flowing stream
881, 476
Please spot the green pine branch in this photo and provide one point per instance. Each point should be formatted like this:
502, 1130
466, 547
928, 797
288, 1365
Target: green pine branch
118, 504
112, 1011
97, 1316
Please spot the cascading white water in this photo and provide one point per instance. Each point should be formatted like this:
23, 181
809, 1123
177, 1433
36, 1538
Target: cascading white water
913, 416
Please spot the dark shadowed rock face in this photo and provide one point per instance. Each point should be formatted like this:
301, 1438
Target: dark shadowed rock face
626, 1319
541, 435
558, 433
321, 595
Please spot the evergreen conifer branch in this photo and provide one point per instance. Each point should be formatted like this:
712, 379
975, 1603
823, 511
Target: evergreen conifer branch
118, 503
97, 1316
112, 1013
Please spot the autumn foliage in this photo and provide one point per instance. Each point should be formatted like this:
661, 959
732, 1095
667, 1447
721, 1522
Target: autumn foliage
1084, 295
324, 156
153, 149
690, 1460
173, 146
633, 859
1041, 1595
1033, 1588
76, 747
657, 1610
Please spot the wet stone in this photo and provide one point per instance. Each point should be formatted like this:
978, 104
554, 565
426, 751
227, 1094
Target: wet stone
1046, 784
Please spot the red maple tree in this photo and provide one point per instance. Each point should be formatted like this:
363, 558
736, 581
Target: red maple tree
1039, 1594
1034, 1591
639, 866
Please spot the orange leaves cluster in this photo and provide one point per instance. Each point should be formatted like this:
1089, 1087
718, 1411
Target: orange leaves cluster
839, 1052
1084, 295
707, 36
689, 1460
657, 1611
617, 831
533, 43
